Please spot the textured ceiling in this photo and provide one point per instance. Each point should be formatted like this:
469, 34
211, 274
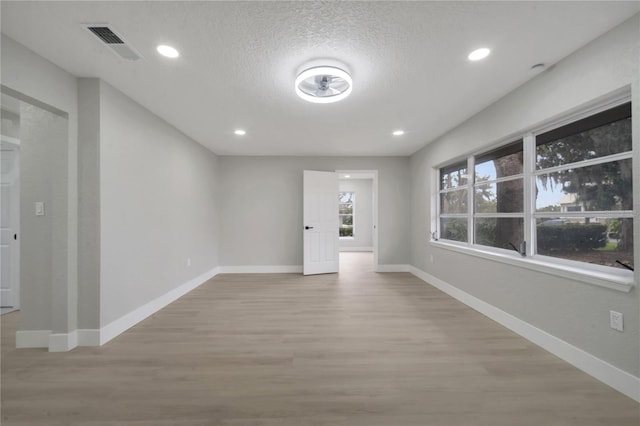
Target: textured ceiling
239, 60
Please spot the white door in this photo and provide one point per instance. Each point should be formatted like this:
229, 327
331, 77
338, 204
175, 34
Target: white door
320, 222
9, 225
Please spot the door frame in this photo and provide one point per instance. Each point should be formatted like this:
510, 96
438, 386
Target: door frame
15, 222
374, 188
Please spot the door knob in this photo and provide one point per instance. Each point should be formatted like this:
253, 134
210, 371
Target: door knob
308, 227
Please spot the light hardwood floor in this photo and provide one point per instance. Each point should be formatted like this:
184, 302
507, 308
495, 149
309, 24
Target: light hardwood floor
358, 348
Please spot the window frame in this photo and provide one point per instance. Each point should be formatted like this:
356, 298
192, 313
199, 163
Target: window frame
606, 276
353, 215
441, 191
519, 176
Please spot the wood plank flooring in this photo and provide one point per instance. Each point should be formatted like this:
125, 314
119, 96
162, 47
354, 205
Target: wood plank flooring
354, 349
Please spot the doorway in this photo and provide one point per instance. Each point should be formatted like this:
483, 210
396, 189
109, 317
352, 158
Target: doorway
9, 205
358, 211
356, 261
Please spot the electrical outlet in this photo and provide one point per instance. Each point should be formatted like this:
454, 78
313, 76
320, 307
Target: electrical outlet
431, 258
616, 321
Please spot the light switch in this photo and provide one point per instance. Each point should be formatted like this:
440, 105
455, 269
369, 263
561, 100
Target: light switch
39, 208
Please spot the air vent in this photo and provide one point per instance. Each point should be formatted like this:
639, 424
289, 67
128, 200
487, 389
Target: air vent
105, 34
115, 42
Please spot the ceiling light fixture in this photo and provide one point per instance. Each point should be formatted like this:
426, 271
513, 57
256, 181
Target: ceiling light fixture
167, 51
478, 54
398, 132
323, 85
347, 176
240, 132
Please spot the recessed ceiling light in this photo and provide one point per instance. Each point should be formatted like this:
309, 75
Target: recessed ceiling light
323, 85
240, 132
347, 176
478, 54
398, 132
167, 51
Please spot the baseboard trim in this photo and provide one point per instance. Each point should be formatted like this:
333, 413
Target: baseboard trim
356, 248
393, 268
63, 342
32, 339
262, 269
122, 324
610, 375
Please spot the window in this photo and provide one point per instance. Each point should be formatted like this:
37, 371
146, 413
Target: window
345, 209
574, 202
586, 165
498, 198
453, 202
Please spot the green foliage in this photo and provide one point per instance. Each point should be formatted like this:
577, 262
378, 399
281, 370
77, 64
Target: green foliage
571, 236
615, 228
486, 232
550, 209
346, 220
605, 186
453, 229
454, 201
346, 231
610, 246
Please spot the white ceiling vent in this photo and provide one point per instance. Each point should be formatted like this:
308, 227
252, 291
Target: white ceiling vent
114, 41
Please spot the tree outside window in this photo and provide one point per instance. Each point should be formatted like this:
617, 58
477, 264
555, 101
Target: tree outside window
589, 162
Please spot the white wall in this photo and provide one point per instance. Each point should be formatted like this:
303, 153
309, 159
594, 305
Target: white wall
261, 207
157, 207
41, 135
89, 203
575, 312
29, 76
363, 214
147, 205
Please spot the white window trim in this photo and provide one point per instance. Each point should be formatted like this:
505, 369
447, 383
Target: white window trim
583, 272
609, 277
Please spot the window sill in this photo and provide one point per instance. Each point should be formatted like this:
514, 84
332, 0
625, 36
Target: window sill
621, 281
345, 238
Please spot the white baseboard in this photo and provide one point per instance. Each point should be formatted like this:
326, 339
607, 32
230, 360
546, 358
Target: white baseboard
393, 268
127, 321
63, 342
611, 375
32, 338
262, 269
356, 248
